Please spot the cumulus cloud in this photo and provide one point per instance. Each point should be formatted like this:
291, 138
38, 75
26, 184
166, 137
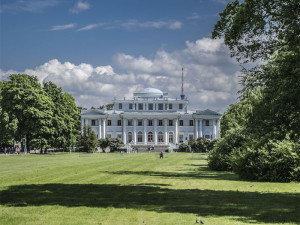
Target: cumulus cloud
80, 6
63, 27
211, 77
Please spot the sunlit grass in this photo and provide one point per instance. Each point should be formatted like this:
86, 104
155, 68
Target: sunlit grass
136, 188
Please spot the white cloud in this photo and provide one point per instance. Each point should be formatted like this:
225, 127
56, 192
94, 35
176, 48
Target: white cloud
172, 25
63, 27
210, 76
91, 26
80, 6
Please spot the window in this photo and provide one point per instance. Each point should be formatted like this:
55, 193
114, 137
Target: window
180, 138
108, 122
206, 122
150, 122
120, 105
93, 122
140, 123
191, 136
170, 122
191, 122
141, 106
129, 122
129, 137
140, 137
180, 122
108, 135
160, 106
119, 136
170, 106
150, 137
171, 138
119, 123
160, 137
160, 123
150, 106
180, 106
207, 136
130, 105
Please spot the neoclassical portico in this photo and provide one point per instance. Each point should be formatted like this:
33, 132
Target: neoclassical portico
151, 117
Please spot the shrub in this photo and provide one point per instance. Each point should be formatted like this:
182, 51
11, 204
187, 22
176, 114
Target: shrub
276, 161
87, 140
184, 147
219, 157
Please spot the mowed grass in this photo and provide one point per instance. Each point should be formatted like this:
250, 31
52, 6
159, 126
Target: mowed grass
136, 189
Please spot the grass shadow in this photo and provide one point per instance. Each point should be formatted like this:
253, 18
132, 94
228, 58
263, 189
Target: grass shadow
248, 206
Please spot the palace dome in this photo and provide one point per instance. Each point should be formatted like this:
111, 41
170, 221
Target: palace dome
152, 91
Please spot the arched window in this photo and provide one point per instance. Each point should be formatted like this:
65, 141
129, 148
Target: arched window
140, 137
160, 137
129, 137
150, 137
171, 138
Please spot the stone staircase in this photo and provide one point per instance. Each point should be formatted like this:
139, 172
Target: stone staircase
145, 148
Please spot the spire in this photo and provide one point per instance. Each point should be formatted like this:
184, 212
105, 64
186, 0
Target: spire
182, 96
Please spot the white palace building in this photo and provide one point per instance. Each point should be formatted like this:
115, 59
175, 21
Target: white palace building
152, 118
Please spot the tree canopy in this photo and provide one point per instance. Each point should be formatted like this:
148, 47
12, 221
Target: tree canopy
267, 118
44, 115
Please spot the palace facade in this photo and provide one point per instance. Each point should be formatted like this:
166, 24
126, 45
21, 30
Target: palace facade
152, 118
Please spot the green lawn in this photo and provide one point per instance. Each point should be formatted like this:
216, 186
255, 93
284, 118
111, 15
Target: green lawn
136, 189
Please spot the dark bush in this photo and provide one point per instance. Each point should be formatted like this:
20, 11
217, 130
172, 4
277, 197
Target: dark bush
219, 157
276, 161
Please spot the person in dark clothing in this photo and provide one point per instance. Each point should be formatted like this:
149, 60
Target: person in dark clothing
161, 155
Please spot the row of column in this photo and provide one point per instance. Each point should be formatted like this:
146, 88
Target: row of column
101, 127
145, 131
198, 129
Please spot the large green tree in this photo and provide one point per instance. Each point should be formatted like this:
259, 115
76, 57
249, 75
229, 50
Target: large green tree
65, 121
27, 110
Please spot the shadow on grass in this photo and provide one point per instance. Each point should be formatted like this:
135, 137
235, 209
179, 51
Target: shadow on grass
204, 173
248, 206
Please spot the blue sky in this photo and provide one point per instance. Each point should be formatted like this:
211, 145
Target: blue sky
131, 44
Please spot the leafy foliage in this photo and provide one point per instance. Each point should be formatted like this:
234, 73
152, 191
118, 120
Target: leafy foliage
269, 110
44, 115
88, 139
275, 161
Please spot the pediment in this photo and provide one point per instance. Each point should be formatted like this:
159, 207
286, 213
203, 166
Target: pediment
92, 112
208, 112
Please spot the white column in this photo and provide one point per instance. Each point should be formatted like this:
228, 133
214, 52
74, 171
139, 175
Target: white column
155, 131
86, 121
176, 131
166, 131
99, 135
215, 129
82, 125
104, 131
200, 128
196, 129
145, 131
124, 131
134, 131
218, 129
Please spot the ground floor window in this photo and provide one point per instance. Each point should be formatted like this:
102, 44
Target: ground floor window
140, 137
129, 137
207, 136
191, 136
171, 137
180, 138
119, 136
150, 137
160, 137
